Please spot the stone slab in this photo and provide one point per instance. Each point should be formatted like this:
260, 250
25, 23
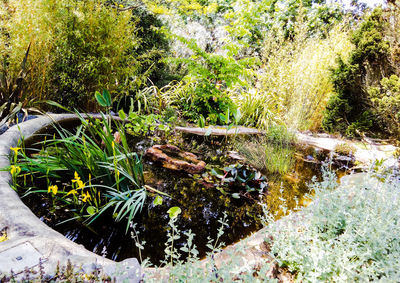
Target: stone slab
18, 258
219, 131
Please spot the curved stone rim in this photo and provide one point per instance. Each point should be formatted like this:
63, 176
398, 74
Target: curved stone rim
24, 227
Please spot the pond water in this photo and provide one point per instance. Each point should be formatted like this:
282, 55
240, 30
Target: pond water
203, 203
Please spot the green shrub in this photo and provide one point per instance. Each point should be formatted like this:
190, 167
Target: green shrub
345, 235
348, 111
91, 51
386, 102
209, 79
80, 46
335, 114
363, 124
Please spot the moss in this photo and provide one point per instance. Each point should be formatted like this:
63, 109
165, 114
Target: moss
345, 149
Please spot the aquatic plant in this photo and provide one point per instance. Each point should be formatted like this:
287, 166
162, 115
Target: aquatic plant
273, 153
142, 125
240, 176
89, 171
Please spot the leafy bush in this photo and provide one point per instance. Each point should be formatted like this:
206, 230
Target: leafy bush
348, 110
345, 235
91, 51
335, 114
386, 102
210, 77
78, 47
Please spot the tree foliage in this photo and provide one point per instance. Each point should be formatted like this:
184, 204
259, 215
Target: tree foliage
349, 110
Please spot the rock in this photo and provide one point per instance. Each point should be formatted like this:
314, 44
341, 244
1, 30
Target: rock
220, 131
173, 158
235, 155
128, 270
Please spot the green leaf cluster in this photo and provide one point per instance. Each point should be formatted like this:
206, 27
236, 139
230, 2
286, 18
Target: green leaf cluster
210, 77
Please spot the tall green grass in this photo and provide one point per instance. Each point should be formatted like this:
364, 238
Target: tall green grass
294, 80
273, 153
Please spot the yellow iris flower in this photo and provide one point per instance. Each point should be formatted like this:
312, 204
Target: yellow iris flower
15, 149
15, 170
81, 184
53, 189
76, 177
73, 192
86, 196
78, 181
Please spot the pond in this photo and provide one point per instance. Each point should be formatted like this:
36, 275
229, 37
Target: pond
203, 198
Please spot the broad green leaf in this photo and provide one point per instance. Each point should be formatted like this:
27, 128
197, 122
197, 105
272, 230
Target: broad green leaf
107, 97
158, 200
237, 116
174, 212
202, 121
222, 117
91, 210
122, 114
100, 99
217, 172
